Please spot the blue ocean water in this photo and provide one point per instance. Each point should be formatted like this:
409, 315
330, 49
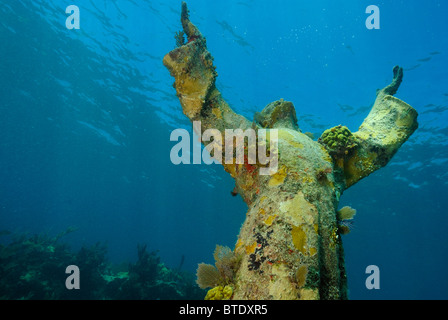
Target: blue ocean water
86, 116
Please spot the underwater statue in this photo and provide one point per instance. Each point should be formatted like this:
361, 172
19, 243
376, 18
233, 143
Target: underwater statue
289, 246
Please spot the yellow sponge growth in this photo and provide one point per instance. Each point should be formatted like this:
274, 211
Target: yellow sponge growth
219, 293
278, 178
301, 274
299, 238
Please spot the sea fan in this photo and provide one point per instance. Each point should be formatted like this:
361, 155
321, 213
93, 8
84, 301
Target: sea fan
207, 276
223, 273
225, 262
346, 213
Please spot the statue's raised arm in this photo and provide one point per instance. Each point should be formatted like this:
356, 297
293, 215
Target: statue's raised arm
389, 124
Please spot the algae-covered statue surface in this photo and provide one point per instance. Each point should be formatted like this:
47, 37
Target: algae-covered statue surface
289, 246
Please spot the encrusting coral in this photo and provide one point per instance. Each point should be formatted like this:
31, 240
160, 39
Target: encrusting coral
339, 141
289, 245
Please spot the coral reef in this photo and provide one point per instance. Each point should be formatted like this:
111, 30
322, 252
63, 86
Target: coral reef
33, 267
289, 244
